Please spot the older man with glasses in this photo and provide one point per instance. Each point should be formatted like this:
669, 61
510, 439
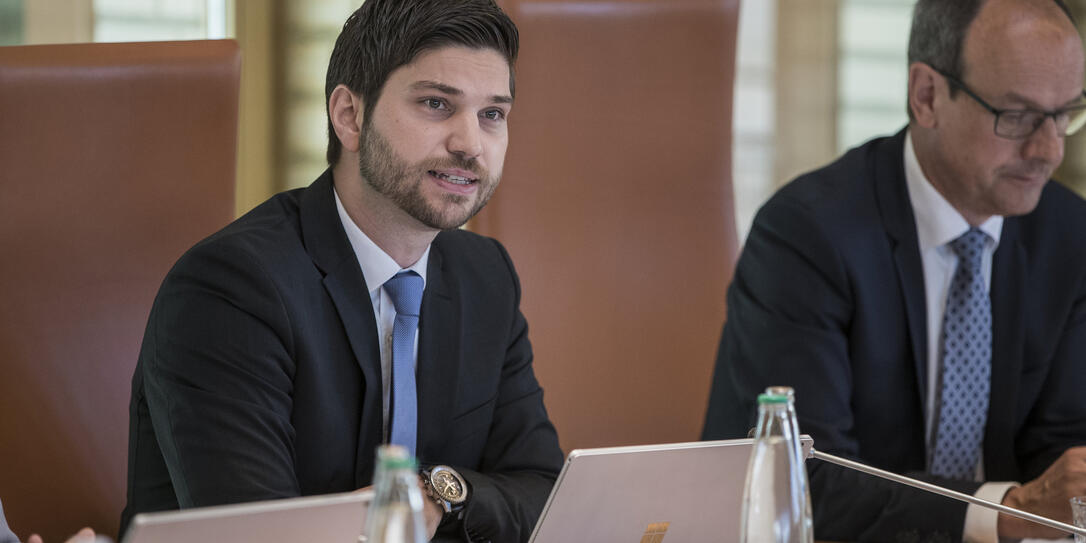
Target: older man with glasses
925, 294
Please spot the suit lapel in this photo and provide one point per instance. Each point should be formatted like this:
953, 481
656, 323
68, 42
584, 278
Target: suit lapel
327, 244
439, 356
892, 196
1007, 293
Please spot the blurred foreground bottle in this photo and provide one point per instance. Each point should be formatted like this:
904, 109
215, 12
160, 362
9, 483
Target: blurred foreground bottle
395, 516
776, 501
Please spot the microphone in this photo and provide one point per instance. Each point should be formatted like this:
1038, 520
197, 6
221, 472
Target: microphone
936, 489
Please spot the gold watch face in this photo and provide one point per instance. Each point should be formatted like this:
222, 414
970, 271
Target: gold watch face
447, 484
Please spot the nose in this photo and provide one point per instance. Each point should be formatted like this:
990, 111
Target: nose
465, 137
1045, 143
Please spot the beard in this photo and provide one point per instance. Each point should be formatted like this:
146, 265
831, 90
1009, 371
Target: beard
394, 178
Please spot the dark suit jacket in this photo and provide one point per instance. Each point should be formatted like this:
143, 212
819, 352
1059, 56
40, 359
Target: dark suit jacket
259, 374
828, 297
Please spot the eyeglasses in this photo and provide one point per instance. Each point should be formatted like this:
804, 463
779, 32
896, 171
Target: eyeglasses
1020, 123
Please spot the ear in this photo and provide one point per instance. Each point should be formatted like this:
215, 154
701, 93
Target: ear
346, 111
922, 83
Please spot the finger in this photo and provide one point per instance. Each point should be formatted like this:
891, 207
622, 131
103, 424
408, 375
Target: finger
85, 535
34, 539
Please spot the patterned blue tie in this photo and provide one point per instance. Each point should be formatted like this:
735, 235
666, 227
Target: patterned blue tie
405, 289
967, 364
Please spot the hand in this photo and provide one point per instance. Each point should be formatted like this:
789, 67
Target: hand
86, 535
431, 511
1048, 495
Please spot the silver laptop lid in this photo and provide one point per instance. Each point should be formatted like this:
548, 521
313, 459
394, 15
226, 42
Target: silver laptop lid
686, 491
332, 518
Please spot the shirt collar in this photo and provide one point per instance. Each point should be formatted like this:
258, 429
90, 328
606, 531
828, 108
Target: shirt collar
377, 266
937, 222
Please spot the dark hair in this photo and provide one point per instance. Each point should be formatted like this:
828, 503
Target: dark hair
938, 34
383, 35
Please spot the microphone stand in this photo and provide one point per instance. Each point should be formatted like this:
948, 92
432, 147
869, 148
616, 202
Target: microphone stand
944, 491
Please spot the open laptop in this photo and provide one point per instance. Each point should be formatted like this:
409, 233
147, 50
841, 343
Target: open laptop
671, 493
332, 518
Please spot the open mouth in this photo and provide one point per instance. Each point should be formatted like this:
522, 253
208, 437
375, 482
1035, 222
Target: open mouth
454, 179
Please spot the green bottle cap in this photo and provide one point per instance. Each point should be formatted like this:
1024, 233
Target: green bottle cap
395, 457
399, 463
772, 398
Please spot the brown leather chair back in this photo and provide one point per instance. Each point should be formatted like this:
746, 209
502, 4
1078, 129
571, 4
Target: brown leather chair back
114, 159
617, 209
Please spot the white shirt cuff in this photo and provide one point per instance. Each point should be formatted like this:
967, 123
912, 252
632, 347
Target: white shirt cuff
981, 523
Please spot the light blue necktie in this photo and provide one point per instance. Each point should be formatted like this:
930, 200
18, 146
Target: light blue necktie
967, 364
405, 289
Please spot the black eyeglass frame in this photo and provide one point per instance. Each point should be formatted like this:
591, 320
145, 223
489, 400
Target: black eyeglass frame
999, 112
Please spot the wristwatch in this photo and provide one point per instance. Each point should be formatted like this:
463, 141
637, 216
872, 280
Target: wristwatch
447, 488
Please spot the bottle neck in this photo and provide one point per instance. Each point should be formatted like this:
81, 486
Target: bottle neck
775, 419
388, 478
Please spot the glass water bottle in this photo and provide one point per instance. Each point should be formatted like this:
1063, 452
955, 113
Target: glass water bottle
395, 516
776, 501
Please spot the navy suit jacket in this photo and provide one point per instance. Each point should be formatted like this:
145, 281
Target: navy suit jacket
259, 376
828, 297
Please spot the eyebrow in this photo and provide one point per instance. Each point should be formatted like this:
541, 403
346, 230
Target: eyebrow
1030, 104
453, 91
1077, 101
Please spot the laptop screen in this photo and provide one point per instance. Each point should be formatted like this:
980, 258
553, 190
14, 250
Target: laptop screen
684, 491
329, 517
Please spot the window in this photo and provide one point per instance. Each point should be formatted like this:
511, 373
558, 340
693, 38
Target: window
313, 27
78, 21
872, 69
11, 22
753, 111
152, 20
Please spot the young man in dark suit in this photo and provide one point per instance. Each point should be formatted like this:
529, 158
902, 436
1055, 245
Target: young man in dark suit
281, 351
926, 293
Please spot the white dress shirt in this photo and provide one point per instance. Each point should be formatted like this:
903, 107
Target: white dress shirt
937, 224
377, 268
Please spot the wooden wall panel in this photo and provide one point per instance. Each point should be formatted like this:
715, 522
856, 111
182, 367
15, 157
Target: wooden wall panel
116, 159
616, 206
